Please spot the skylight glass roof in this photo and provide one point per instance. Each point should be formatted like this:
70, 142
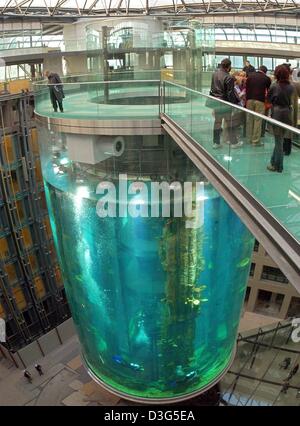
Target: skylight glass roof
91, 7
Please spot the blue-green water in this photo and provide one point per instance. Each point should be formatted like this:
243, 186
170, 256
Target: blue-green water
156, 305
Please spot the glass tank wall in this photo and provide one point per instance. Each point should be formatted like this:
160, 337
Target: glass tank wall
156, 300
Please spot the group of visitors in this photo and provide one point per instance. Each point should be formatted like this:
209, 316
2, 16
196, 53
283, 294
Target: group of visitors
256, 92
28, 375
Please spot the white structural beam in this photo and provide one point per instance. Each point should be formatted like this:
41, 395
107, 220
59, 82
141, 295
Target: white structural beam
201, 7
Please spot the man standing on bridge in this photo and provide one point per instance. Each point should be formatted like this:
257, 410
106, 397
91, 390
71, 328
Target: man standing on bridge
56, 90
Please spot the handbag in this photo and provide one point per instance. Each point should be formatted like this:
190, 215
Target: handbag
268, 105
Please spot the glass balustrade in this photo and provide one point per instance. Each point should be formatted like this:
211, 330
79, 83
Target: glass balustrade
206, 119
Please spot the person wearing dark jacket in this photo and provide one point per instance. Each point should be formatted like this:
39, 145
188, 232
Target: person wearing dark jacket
257, 85
281, 97
27, 375
39, 369
248, 68
222, 87
293, 372
285, 386
56, 90
287, 142
285, 363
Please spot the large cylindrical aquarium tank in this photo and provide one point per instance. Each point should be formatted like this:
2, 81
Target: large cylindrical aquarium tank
155, 283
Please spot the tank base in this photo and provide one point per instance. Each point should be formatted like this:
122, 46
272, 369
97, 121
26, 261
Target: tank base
150, 401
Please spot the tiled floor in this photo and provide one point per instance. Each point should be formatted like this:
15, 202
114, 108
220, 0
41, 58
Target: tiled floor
256, 378
252, 320
65, 382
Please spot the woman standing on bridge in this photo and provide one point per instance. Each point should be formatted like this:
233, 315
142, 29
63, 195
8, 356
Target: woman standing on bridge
280, 96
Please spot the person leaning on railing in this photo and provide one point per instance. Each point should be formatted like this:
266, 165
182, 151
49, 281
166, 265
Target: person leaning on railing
280, 96
287, 142
56, 90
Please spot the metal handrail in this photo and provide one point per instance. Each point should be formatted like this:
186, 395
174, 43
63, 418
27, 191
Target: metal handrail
256, 114
45, 84
114, 73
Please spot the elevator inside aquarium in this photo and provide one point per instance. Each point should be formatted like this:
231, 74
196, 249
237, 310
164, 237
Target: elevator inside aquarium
155, 296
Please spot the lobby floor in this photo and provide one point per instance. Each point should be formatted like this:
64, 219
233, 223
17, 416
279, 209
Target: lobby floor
65, 382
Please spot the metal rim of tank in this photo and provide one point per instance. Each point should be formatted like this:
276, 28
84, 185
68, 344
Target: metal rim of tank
158, 400
143, 126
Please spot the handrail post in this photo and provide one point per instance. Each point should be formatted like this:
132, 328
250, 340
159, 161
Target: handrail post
161, 96
164, 96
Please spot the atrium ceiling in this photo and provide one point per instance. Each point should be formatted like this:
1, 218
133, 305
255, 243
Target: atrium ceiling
88, 8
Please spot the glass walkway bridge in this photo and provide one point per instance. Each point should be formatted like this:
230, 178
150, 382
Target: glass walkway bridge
268, 202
